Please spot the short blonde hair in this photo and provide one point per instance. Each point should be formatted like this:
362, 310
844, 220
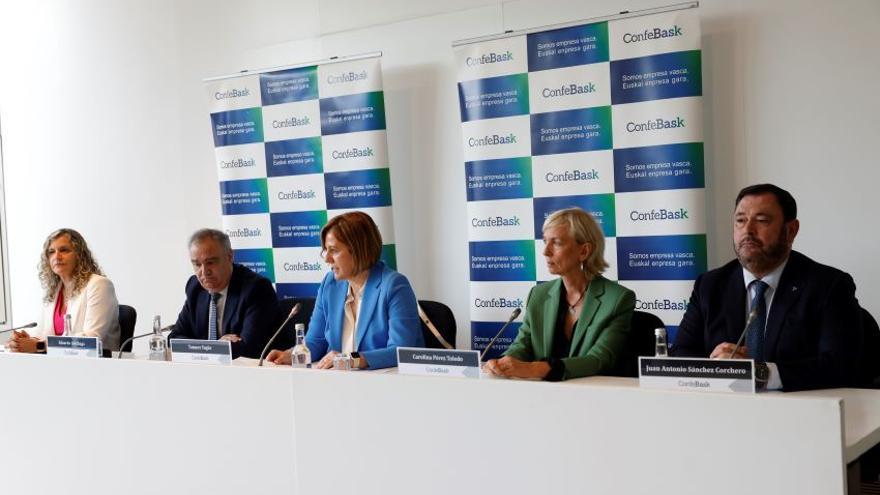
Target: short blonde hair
583, 227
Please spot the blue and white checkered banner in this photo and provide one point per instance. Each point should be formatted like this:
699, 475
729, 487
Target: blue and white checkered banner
294, 148
606, 116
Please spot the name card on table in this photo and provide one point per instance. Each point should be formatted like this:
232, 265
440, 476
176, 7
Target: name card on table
713, 375
87, 347
438, 362
201, 351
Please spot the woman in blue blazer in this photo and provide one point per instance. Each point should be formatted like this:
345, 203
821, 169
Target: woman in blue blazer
363, 309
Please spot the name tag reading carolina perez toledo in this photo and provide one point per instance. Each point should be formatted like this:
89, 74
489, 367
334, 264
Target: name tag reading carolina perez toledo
201, 351
438, 362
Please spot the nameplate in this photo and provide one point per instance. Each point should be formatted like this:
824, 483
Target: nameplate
83, 347
438, 362
201, 351
709, 375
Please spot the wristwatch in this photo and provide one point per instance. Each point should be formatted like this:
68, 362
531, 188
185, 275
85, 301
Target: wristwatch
41, 346
355, 360
762, 375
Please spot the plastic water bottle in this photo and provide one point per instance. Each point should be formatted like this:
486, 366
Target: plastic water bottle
661, 349
68, 326
157, 341
300, 355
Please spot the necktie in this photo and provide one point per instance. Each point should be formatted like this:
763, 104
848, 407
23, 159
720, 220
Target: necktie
212, 316
755, 339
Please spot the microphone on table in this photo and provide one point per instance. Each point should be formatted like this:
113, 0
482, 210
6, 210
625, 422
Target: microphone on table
513, 316
293, 313
29, 325
752, 315
135, 337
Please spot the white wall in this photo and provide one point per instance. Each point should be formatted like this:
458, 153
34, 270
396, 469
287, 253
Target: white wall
106, 129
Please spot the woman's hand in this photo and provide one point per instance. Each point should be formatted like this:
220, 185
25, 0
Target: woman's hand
326, 362
514, 368
279, 357
22, 342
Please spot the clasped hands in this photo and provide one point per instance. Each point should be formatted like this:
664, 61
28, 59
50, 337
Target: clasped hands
511, 367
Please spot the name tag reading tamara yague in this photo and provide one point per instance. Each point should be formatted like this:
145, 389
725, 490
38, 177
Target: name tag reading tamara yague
712, 375
201, 351
87, 347
438, 362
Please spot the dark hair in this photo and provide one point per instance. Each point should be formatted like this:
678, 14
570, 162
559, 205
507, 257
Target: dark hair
358, 231
218, 236
784, 198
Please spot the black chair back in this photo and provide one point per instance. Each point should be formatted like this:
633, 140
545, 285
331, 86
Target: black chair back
443, 319
287, 338
639, 342
127, 319
869, 370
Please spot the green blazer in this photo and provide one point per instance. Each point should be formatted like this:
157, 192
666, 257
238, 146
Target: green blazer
597, 340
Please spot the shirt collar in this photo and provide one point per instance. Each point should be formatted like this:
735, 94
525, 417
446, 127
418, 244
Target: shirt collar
771, 279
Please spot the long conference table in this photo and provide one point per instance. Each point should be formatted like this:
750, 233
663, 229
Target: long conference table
94, 426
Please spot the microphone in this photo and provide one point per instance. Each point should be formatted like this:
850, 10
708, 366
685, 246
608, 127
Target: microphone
293, 313
29, 325
135, 337
513, 316
752, 315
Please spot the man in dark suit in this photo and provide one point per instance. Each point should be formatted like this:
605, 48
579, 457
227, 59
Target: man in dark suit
804, 320
225, 301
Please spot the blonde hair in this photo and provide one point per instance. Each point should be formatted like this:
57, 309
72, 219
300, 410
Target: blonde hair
85, 265
583, 227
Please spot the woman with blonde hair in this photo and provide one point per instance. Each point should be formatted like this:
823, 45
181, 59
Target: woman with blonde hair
576, 325
73, 284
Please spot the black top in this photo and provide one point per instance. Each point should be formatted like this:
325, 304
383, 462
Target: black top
561, 343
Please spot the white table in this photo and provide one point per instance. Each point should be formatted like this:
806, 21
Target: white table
140, 427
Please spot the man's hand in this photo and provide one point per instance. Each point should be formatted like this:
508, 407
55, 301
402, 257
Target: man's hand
279, 357
723, 350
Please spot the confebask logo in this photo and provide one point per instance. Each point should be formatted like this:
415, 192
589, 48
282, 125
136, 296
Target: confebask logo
653, 34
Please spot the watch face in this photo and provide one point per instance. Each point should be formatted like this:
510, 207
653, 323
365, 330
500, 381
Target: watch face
762, 372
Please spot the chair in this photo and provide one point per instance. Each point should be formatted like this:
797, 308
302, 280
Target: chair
127, 319
444, 321
639, 342
287, 337
869, 369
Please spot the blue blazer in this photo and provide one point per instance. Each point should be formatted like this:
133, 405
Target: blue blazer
388, 318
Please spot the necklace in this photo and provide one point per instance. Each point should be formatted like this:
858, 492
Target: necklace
572, 307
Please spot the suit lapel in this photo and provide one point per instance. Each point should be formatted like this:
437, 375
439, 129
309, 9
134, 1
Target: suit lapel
368, 303
338, 293
591, 305
788, 291
202, 304
231, 303
551, 312
734, 309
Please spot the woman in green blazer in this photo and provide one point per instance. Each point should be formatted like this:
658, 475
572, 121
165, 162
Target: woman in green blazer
576, 325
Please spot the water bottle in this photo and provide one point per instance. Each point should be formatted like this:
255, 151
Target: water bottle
300, 356
68, 326
157, 341
661, 349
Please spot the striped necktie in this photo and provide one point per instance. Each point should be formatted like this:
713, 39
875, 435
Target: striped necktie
755, 339
212, 316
